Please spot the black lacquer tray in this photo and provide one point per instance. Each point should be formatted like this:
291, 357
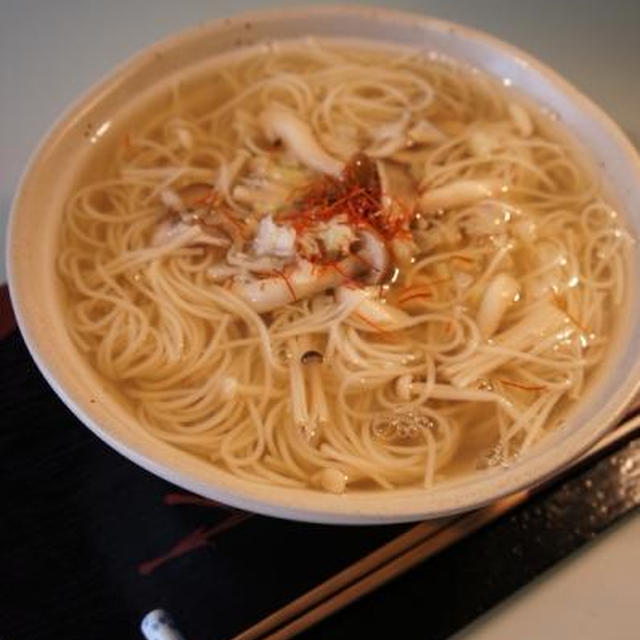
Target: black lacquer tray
89, 542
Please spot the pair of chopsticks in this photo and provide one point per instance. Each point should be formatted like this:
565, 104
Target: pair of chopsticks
391, 560
373, 571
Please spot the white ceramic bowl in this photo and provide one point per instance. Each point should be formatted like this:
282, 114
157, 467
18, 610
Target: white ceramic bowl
54, 170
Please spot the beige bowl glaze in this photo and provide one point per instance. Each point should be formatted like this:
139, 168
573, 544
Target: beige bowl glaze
37, 210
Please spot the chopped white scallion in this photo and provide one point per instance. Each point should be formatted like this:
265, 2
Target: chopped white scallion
336, 236
171, 200
169, 230
274, 240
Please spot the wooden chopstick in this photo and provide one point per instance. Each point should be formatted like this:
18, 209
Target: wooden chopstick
344, 578
392, 559
457, 529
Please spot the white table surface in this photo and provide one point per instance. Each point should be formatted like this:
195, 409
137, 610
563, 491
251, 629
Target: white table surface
52, 50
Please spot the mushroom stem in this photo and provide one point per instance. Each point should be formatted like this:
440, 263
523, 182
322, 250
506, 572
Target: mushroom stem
377, 315
407, 388
280, 124
458, 194
307, 280
304, 281
500, 293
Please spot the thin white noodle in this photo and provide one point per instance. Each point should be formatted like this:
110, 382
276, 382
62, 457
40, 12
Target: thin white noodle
206, 373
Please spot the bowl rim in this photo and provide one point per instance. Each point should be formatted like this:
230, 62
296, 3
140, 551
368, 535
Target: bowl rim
299, 504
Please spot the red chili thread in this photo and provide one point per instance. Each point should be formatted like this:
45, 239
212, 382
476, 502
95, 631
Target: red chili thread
357, 195
466, 259
404, 299
287, 282
562, 305
371, 323
525, 387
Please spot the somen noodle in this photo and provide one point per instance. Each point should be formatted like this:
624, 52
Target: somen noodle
344, 266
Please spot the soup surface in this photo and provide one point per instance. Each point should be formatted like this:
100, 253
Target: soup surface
343, 266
